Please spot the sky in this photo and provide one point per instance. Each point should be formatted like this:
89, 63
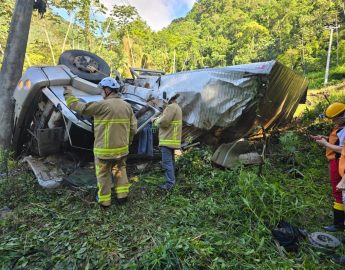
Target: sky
157, 13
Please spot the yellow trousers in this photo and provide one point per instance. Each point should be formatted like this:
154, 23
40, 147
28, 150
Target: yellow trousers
105, 168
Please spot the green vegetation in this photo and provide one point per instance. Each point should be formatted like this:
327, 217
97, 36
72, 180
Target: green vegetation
213, 219
316, 79
214, 33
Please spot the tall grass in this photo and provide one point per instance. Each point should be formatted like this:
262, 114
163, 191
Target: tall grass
4, 161
316, 79
213, 219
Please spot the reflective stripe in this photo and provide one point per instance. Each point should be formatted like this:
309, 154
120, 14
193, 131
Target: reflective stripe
175, 131
176, 125
112, 121
70, 100
338, 206
97, 167
122, 189
106, 151
106, 136
172, 142
122, 192
129, 135
102, 198
111, 151
126, 190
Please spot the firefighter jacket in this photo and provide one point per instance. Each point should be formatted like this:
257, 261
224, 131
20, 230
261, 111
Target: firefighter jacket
114, 124
170, 126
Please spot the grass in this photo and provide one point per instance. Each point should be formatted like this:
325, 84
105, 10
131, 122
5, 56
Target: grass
316, 78
317, 100
213, 219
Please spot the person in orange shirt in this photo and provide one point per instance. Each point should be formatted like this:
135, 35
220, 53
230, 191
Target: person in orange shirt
341, 188
334, 145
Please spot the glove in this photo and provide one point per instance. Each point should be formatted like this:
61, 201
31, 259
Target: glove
155, 121
67, 91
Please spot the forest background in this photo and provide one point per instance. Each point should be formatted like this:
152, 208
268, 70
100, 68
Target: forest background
213, 33
214, 218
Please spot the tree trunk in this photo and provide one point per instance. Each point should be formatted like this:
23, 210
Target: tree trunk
12, 66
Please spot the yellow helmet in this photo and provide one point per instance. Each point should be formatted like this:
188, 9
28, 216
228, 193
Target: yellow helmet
334, 110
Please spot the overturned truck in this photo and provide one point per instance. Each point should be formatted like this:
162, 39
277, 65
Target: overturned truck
220, 106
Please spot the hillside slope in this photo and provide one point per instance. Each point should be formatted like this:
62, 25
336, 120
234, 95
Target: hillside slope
213, 219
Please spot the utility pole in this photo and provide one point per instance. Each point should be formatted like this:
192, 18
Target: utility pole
331, 27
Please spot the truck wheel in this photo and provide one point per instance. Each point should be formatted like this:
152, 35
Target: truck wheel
85, 65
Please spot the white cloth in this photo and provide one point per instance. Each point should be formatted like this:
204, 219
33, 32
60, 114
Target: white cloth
341, 136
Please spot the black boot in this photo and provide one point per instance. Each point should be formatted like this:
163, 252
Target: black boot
338, 224
122, 201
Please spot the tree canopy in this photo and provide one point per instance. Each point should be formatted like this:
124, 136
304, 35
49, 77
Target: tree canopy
214, 33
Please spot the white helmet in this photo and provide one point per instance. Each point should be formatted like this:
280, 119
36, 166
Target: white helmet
167, 97
109, 82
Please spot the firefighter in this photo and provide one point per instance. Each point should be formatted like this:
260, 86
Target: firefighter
333, 144
114, 128
170, 133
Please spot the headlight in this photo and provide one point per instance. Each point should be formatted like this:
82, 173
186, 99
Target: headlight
27, 84
20, 84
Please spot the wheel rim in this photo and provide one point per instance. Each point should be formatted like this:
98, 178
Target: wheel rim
85, 64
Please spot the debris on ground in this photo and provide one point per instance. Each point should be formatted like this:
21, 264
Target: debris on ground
324, 241
4, 212
287, 235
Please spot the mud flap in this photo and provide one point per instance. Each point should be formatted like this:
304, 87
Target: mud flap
49, 140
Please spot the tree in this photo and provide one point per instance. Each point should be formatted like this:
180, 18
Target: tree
12, 66
85, 13
6, 9
123, 15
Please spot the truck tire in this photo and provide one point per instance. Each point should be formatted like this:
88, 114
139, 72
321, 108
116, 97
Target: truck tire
79, 63
324, 241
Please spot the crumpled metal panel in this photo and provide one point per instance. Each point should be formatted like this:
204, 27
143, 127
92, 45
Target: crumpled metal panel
211, 98
241, 98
